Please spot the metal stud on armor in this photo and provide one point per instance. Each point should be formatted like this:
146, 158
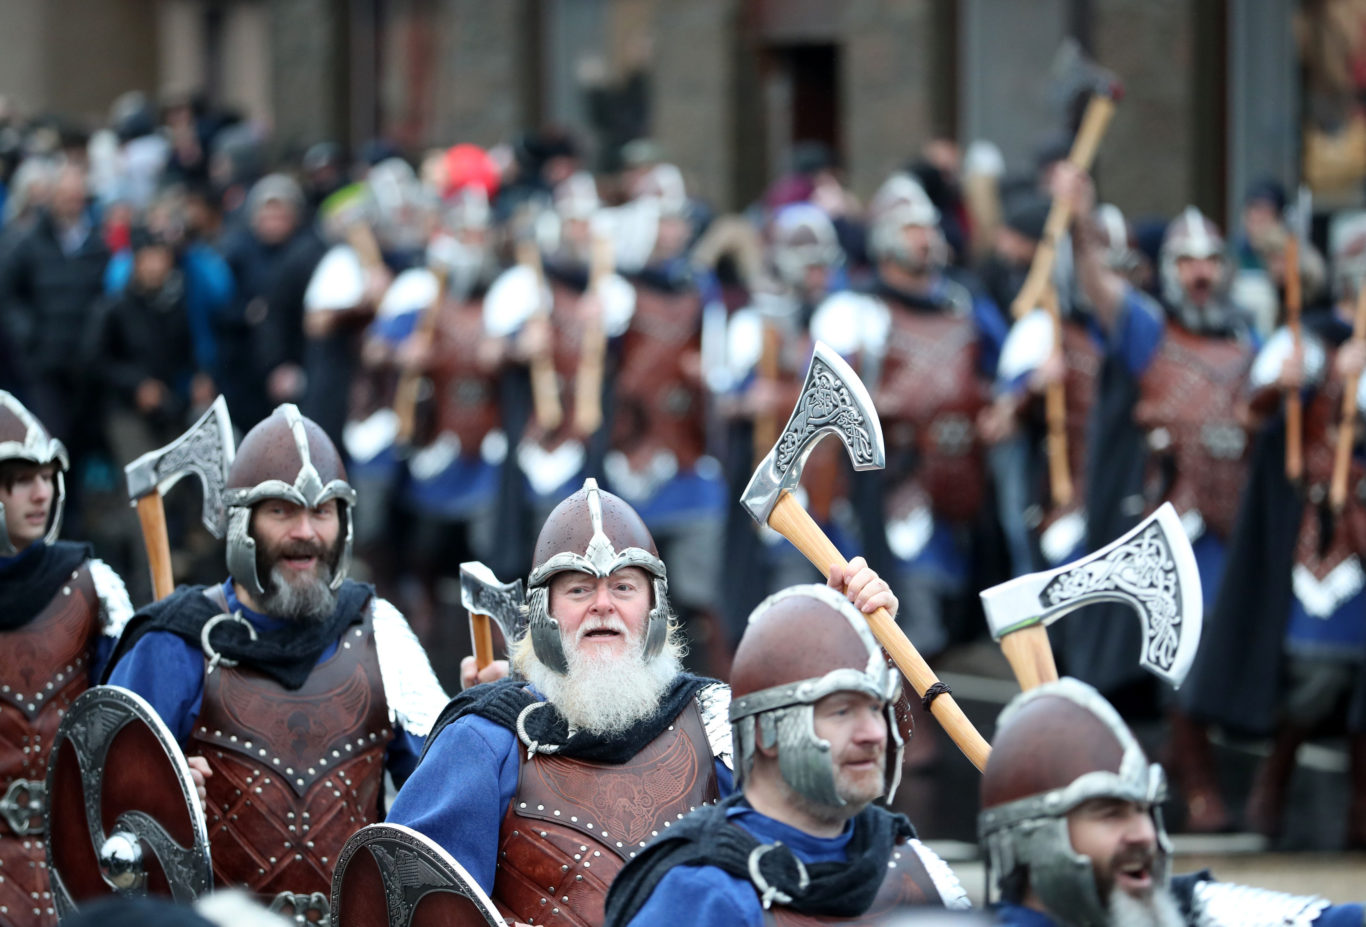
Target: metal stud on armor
45, 668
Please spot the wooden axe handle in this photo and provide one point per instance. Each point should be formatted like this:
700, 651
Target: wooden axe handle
1055, 408
1030, 656
410, 380
481, 630
1096, 120
790, 520
152, 515
545, 389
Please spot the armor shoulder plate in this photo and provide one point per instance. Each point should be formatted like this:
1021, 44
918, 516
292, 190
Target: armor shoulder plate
1267, 367
1222, 903
713, 702
337, 283
115, 606
618, 304
410, 686
955, 897
412, 291
849, 321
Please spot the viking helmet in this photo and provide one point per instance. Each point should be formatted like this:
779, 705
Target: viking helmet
1115, 238
803, 236
1057, 746
23, 437
900, 202
597, 533
1190, 235
802, 644
288, 457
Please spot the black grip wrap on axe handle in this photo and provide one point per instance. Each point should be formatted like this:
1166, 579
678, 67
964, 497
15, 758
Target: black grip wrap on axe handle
933, 692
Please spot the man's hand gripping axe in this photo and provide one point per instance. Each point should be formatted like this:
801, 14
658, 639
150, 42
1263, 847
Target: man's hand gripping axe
834, 401
206, 450
489, 602
1152, 569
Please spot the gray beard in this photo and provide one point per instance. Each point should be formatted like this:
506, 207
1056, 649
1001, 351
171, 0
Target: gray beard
1157, 910
606, 696
310, 603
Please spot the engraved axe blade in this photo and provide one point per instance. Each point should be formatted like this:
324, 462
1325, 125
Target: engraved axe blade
1151, 569
482, 594
833, 401
206, 450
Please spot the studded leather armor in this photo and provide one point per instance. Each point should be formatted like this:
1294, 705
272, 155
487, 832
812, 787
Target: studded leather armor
929, 397
295, 772
907, 883
658, 403
465, 403
46, 664
1189, 407
572, 824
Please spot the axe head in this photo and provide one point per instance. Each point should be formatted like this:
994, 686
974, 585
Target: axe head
206, 450
1151, 569
1075, 77
834, 401
482, 594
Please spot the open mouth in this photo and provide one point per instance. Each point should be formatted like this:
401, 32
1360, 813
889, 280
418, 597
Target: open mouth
299, 563
1135, 877
601, 634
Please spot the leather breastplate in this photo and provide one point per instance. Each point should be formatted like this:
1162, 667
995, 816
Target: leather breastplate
1189, 407
46, 664
464, 398
658, 403
907, 883
929, 399
296, 772
572, 825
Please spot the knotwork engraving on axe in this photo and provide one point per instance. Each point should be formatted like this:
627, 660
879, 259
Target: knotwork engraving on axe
206, 450
835, 402
489, 602
1152, 569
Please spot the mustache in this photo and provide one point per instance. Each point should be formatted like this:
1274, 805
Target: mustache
302, 549
1144, 856
601, 623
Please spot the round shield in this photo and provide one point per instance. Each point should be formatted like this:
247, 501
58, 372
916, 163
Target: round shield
391, 874
124, 816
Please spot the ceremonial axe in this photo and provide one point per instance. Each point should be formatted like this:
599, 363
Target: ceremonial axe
489, 602
1151, 569
206, 450
834, 401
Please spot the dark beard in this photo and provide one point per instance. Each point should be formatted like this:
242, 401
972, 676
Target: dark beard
309, 602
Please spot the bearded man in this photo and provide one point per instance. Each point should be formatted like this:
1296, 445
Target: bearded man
1073, 831
815, 729
291, 688
543, 787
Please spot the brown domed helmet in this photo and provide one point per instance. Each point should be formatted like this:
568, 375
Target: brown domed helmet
1057, 746
802, 644
286, 456
597, 533
23, 437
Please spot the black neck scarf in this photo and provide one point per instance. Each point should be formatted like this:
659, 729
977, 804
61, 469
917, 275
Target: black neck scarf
33, 579
286, 654
707, 838
503, 701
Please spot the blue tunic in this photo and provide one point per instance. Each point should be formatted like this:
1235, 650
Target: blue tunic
713, 897
460, 793
168, 671
1338, 915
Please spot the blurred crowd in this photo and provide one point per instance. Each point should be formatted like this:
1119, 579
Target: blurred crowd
480, 329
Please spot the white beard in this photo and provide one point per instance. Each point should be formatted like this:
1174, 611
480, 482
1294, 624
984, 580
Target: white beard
1157, 910
606, 694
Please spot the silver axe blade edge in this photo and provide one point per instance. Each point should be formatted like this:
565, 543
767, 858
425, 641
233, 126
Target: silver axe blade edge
834, 401
482, 594
206, 450
1151, 569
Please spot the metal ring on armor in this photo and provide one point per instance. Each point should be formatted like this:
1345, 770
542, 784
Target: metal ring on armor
535, 746
215, 658
300, 905
770, 893
24, 806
